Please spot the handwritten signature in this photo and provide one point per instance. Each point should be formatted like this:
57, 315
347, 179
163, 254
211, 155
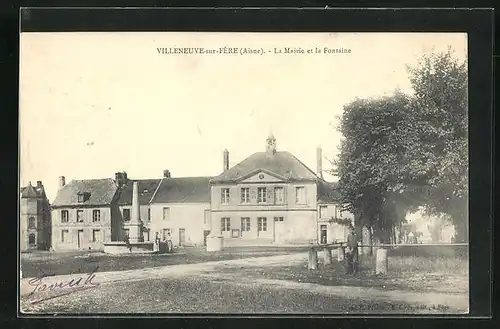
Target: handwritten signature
82, 282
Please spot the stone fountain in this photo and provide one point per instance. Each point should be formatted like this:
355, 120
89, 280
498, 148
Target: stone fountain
136, 239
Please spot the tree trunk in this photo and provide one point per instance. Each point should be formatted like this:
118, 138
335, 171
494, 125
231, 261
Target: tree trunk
461, 229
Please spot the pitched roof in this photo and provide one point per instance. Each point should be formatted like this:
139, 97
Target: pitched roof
283, 164
327, 192
147, 188
29, 192
101, 192
183, 190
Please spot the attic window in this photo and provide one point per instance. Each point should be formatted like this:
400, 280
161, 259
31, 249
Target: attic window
83, 196
145, 190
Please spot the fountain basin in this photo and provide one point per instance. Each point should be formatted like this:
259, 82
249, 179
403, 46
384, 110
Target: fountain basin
120, 247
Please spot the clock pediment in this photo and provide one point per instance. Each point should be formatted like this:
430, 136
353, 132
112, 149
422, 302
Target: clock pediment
261, 176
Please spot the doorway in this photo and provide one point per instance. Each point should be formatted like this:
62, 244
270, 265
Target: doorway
182, 237
80, 239
324, 234
205, 234
279, 229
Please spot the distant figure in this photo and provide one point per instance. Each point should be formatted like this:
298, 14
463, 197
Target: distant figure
351, 255
169, 242
411, 237
157, 243
127, 242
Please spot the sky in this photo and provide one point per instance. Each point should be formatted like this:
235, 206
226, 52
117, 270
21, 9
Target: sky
95, 103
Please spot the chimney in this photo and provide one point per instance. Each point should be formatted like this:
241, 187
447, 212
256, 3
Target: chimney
226, 160
39, 183
62, 181
166, 173
120, 178
319, 162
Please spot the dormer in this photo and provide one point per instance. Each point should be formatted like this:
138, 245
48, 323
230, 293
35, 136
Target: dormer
83, 196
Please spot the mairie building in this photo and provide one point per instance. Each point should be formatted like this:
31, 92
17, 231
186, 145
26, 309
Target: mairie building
270, 197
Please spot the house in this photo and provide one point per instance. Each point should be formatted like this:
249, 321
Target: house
122, 208
333, 220
181, 206
272, 197
34, 220
83, 214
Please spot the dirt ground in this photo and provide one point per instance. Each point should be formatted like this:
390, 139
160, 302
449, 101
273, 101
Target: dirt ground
275, 284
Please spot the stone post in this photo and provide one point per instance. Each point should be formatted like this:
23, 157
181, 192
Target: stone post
381, 265
341, 253
327, 254
313, 259
135, 225
215, 238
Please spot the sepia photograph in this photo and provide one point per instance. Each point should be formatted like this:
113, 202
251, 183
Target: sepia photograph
243, 173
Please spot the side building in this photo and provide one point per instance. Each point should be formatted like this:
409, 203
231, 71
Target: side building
35, 225
181, 206
82, 214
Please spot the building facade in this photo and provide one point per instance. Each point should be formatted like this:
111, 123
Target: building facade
82, 214
181, 207
34, 218
271, 197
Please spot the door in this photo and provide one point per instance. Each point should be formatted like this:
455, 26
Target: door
205, 234
80, 239
182, 237
324, 236
279, 229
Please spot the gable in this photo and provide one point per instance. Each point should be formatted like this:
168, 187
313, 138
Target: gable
262, 177
282, 165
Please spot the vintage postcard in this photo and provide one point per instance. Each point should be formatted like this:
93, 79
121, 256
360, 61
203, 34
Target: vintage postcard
243, 173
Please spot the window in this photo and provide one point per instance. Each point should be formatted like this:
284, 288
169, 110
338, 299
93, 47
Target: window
149, 215
245, 224
300, 195
32, 239
225, 223
96, 215
323, 211
64, 216
261, 224
206, 219
225, 195
79, 216
245, 195
165, 232
278, 219
261, 195
96, 235
146, 234
31, 222
338, 211
126, 214
64, 235
279, 195
166, 213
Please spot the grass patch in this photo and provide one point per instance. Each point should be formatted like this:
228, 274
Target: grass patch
416, 273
